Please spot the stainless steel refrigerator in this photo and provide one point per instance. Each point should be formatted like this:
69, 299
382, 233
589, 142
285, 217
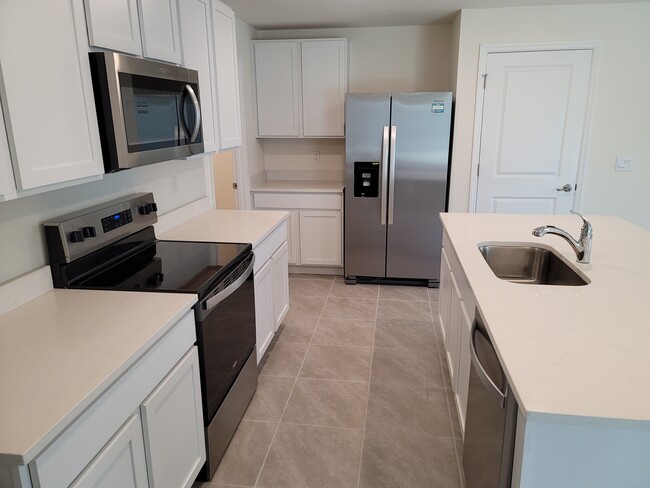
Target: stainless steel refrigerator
397, 153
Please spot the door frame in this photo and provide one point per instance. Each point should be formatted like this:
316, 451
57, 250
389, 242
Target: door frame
484, 49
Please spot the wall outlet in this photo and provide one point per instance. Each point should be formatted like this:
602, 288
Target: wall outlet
316, 155
623, 163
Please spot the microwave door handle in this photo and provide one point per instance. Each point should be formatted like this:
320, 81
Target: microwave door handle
181, 115
197, 111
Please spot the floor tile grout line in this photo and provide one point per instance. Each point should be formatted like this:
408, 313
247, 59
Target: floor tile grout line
365, 415
291, 392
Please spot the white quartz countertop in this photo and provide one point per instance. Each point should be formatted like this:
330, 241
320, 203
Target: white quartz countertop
580, 351
60, 351
247, 226
299, 186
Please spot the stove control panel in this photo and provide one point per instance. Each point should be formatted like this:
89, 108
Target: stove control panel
78, 234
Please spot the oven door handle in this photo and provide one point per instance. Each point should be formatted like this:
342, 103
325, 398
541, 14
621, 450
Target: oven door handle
230, 289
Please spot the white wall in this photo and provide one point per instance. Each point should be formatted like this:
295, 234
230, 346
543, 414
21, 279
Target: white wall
621, 123
22, 241
411, 58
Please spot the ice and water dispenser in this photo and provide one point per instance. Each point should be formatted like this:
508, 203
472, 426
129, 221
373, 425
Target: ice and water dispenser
366, 179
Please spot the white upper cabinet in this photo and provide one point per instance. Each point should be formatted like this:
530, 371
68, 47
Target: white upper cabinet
159, 28
138, 27
225, 52
47, 94
207, 30
114, 25
324, 83
198, 54
300, 87
277, 88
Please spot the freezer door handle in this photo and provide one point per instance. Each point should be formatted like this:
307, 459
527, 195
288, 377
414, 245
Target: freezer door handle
384, 175
391, 179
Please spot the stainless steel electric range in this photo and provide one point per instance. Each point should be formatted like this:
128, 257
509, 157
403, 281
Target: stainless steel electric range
113, 247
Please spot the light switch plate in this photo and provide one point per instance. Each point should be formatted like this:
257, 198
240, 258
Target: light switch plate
623, 163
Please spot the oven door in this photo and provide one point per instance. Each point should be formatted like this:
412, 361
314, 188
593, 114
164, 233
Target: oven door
225, 334
148, 111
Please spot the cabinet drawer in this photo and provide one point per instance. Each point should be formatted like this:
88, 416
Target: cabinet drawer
324, 201
268, 246
74, 449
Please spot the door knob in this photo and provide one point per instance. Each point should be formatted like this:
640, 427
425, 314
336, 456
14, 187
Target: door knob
567, 188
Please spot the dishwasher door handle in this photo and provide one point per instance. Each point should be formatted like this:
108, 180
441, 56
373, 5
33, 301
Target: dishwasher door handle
489, 385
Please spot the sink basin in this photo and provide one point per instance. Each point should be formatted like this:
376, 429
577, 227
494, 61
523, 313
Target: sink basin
530, 264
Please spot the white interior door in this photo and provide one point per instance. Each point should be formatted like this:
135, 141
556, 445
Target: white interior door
534, 111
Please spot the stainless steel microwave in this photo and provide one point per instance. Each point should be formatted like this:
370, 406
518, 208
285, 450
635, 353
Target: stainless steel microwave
147, 111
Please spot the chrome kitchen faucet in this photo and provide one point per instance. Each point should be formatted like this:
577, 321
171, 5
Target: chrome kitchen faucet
582, 247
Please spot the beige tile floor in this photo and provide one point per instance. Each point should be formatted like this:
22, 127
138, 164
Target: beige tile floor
353, 392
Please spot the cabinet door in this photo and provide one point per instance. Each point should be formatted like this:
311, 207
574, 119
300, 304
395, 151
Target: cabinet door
172, 418
293, 239
159, 28
277, 88
444, 306
225, 54
47, 93
7, 183
464, 365
114, 25
121, 463
198, 54
324, 83
280, 284
453, 342
264, 314
320, 238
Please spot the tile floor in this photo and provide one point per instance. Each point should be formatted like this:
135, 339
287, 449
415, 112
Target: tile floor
353, 392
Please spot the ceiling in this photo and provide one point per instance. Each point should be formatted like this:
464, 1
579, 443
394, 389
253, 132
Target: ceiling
310, 14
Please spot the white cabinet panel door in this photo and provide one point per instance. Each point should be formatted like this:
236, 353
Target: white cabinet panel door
47, 93
280, 278
198, 54
7, 183
534, 113
114, 25
277, 88
225, 52
464, 364
324, 83
454, 332
445, 297
293, 238
172, 418
159, 28
121, 463
264, 314
320, 238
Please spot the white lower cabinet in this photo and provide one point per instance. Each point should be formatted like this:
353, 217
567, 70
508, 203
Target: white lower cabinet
264, 315
121, 463
162, 444
271, 281
279, 275
315, 232
172, 422
320, 238
456, 314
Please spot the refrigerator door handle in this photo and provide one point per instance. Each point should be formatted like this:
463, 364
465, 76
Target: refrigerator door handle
384, 175
391, 180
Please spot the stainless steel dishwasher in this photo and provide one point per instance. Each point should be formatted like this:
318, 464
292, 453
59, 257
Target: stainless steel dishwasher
491, 416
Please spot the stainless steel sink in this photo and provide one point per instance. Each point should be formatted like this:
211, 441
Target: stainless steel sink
530, 264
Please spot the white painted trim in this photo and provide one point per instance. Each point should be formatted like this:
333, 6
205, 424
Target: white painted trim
25, 288
484, 50
183, 214
324, 270
241, 153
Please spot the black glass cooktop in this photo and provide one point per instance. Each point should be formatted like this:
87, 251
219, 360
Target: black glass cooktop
172, 266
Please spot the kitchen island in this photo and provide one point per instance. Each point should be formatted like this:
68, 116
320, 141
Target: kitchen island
577, 357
